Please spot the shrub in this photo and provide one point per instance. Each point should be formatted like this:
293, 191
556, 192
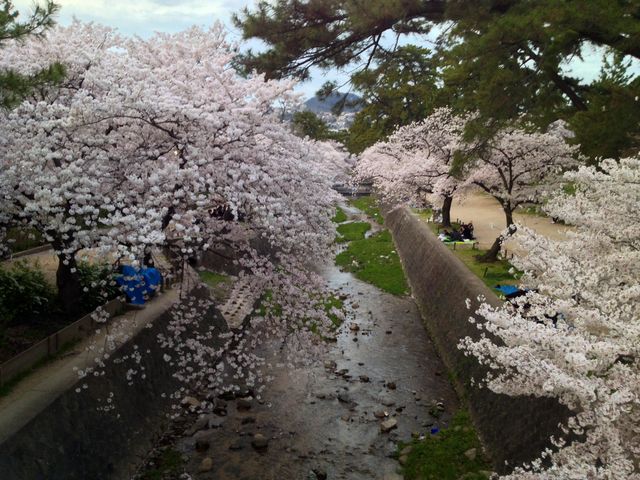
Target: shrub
25, 296
98, 284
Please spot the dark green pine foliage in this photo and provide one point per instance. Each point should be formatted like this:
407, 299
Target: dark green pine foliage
327, 33
402, 88
610, 126
307, 124
506, 59
14, 86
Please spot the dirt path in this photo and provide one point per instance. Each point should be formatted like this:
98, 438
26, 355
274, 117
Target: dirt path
488, 220
322, 418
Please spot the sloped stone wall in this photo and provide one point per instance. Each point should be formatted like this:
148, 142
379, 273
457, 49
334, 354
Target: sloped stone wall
513, 429
72, 440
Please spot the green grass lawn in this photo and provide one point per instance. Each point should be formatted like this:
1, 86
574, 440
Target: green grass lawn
340, 216
368, 205
492, 274
219, 283
434, 227
374, 260
213, 279
442, 456
352, 231
424, 213
168, 464
535, 210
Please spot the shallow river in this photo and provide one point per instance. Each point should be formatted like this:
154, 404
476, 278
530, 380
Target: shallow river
323, 418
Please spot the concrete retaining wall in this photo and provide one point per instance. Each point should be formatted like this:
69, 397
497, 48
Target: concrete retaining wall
31, 251
72, 439
513, 429
81, 328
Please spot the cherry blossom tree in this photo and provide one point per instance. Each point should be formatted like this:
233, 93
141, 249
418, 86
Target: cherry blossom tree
332, 159
158, 142
515, 167
574, 336
149, 141
416, 161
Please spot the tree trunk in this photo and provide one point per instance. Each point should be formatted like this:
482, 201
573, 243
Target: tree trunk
492, 253
508, 213
446, 211
148, 258
68, 283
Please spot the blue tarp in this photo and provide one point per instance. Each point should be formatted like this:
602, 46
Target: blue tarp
510, 292
507, 289
139, 284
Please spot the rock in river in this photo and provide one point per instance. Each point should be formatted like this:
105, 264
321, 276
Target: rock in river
320, 473
388, 425
206, 464
260, 442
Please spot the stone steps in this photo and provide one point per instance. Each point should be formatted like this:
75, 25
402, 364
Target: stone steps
243, 296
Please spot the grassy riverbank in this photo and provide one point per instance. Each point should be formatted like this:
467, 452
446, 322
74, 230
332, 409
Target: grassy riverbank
452, 454
373, 259
500, 272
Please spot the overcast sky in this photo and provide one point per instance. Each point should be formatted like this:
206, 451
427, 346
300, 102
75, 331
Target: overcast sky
143, 17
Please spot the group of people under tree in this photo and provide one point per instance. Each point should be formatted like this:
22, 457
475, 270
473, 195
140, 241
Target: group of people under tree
461, 234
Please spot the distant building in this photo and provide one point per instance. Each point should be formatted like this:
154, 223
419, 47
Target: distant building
323, 108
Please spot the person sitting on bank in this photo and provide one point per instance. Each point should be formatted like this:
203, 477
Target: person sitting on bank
444, 236
456, 236
466, 231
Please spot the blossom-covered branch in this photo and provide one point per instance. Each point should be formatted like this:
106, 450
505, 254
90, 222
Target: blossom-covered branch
574, 336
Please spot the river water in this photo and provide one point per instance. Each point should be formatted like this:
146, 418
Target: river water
323, 418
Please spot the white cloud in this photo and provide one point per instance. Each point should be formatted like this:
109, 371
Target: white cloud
143, 17
588, 68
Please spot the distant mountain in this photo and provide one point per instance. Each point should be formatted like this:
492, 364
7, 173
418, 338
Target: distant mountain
317, 106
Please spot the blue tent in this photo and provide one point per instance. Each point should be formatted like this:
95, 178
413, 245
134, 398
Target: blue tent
139, 284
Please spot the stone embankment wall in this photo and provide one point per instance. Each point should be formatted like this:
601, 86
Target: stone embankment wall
51, 345
513, 429
72, 439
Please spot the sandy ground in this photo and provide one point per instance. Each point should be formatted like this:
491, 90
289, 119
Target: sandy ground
47, 261
488, 220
